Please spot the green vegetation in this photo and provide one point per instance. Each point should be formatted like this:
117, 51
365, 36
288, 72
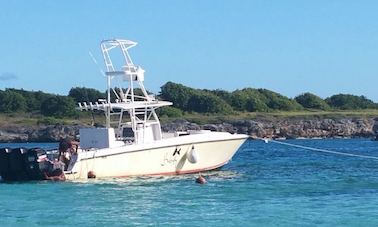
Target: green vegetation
194, 100
11, 101
311, 101
249, 100
58, 106
271, 116
198, 105
350, 102
82, 94
170, 112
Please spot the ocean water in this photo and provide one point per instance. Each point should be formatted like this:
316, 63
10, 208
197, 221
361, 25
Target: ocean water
265, 184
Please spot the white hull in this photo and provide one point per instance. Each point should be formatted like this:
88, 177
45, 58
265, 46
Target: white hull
163, 157
131, 117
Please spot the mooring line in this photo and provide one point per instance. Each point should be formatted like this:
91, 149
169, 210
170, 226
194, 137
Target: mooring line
319, 150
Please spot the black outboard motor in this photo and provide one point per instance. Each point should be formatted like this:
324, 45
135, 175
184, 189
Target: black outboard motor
4, 162
31, 164
17, 170
20, 164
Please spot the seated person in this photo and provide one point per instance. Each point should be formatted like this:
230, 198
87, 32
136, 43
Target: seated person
67, 149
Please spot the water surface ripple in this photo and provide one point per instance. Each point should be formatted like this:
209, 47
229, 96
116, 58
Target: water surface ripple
264, 185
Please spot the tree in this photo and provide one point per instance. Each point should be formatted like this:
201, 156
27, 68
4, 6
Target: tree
196, 100
176, 93
225, 95
255, 104
59, 106
169, 111
351, 102
205, 102
30, 100
11, 101
277, 101
39, 98
312, 101
82, 94
249, 99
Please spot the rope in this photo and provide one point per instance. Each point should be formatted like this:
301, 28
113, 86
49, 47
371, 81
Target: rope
320, 150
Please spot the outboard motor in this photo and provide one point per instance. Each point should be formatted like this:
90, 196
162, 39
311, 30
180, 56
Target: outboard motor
4, 162
17, 170
31, 165
21, 164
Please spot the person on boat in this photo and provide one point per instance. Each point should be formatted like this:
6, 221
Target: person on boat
51, 170
67, 150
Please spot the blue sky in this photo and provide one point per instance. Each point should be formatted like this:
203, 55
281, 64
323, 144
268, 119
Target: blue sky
324, 47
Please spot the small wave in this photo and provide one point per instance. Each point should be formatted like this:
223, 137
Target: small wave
217, 175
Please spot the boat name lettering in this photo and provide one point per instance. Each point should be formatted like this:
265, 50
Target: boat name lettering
169, 160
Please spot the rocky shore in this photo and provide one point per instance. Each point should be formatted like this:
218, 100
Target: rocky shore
289, 128
280, 128
43, 133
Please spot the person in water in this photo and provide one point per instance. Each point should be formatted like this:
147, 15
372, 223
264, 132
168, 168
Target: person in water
54, 175
67, 150
201, 180
51, 170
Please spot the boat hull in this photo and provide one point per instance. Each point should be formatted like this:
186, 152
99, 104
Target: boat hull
166, 157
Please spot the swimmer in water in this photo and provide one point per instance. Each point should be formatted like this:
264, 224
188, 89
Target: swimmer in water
201, 180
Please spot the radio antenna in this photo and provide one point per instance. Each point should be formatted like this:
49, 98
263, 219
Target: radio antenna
98, 66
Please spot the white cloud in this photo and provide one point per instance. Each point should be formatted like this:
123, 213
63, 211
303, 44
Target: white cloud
7, 76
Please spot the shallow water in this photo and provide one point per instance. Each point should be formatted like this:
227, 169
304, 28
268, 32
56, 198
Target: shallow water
264, 185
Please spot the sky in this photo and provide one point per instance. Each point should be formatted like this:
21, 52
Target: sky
325, 47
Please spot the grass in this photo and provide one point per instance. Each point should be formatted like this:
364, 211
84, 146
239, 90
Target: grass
35, 120
271, 116
29, 119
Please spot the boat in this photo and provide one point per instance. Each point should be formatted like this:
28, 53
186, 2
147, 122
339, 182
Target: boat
132, 142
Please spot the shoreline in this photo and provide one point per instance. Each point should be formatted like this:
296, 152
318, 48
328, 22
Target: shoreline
279, 128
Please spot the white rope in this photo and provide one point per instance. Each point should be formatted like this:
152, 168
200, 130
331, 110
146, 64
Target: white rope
320, 150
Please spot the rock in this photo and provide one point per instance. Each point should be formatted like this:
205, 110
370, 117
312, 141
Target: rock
211, 127
280, 128
6, 137
50, 133
179, 125
375, 127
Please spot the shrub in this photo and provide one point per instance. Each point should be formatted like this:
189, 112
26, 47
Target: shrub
277, 101
312, 101
11, 101
350, 102
59, 106
170, 111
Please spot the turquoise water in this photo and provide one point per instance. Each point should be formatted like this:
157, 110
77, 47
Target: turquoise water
264, 185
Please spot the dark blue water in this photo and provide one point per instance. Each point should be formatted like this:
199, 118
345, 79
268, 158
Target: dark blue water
264, 185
